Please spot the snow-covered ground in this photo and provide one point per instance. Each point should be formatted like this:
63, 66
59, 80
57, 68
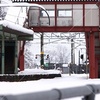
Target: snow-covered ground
65, 81
38, 71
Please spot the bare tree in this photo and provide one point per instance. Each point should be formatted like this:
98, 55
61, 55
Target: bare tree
3, 10
29, 63
59, 55
62, 54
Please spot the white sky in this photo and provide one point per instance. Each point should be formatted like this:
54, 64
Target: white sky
65, 81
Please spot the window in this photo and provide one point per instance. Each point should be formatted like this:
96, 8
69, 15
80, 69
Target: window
64, 13
44, 14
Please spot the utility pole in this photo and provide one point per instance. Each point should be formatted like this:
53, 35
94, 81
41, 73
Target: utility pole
79, 57
72, 57
72, 52
42, 51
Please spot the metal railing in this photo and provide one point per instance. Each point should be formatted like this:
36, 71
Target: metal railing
88, 92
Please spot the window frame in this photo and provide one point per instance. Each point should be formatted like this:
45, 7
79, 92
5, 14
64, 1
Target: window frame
41, 15
65, 14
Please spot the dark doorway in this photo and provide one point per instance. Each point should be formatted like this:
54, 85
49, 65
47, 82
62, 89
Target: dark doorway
9, 61
9, 57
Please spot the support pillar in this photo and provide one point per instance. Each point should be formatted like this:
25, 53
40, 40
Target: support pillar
3, 53
22, 57
16, 56
92, 69
21, 62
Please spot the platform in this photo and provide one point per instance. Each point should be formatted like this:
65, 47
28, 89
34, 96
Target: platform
30, 75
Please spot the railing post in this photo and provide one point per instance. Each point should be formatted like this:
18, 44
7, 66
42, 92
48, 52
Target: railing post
92, 95
89, 97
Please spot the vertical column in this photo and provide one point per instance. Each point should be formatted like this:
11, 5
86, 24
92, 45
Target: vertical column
83, 14
16, 56
22, 62
3, 47
55, 15
92, 55
72, 52
42, 51
87, 49
22, 57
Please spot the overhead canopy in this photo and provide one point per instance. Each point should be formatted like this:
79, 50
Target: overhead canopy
14, 30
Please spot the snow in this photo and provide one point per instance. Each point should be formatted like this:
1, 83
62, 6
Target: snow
38, 71
65, 65
65, 81
15, 27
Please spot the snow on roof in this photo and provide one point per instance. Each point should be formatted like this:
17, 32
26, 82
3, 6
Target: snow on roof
15, 27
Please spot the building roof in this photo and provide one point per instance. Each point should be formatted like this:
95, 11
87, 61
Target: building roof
16, 29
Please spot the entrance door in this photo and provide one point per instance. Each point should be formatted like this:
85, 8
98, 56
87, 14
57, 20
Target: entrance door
9, 57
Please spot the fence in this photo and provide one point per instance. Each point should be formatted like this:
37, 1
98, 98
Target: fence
88, 92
